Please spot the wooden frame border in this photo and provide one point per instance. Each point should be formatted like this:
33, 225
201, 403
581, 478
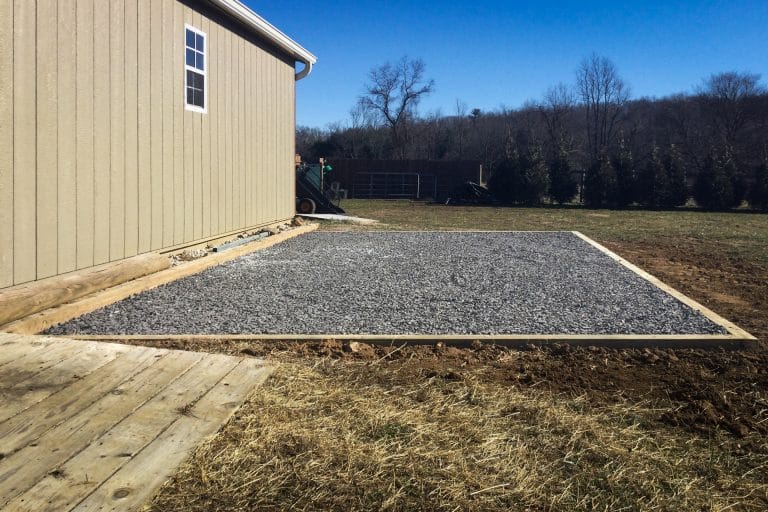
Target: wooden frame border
38, 322
507, 340
736, 338
735, 332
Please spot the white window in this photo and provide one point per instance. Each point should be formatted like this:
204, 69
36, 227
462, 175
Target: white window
194, 66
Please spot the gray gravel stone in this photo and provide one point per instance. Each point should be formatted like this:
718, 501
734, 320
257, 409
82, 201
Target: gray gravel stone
407, 283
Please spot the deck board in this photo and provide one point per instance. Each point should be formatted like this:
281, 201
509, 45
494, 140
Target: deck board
29, 365
133, 484
18, 396
103, 425
42, 416
13, 347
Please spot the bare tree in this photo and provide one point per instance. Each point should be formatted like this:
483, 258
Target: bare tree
460, 128
725, 98
393, 93
557, 105
603, 94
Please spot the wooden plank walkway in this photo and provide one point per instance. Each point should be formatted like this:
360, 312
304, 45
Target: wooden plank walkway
99, 426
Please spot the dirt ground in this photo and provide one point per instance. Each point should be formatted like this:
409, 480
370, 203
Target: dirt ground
714, 403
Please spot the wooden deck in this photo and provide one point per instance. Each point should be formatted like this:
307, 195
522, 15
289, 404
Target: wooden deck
99, 426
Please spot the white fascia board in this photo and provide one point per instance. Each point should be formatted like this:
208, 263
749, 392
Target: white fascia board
265, 29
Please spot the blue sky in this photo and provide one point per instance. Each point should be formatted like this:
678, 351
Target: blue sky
492, 53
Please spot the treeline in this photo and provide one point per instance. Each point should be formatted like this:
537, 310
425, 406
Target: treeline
587, 142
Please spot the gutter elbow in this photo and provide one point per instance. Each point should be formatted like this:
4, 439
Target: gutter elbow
305, 71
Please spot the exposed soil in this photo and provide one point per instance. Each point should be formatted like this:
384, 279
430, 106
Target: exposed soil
734, 287
696, 390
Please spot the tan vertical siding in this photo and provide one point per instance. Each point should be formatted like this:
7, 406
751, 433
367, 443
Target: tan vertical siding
84, 145
221, 101
272, 141
246, 116
261, 133
24, 154
131, 129
269, 144
241, 114
197, 159
205, 142
99, 158
189, 154
213, 117
156, 123
274, 153
6, 143
144, 13
168, 100
281, 134
177, 62
102, 135
235, 130
291, 180
227, 122
250, 154
47, 140
282, 143
286, 203
282, 139
117, 129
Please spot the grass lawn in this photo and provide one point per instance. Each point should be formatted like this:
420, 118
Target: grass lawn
356, 427
743, 233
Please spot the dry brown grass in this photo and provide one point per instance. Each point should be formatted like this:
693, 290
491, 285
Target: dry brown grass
332, 435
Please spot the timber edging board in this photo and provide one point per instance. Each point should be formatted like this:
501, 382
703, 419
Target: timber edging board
463, 340
26, 299
734, 331
42, 320
736, 338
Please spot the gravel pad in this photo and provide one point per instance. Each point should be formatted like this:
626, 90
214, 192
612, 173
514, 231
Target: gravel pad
406, 283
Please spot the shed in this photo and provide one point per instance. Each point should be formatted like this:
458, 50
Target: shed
135, 126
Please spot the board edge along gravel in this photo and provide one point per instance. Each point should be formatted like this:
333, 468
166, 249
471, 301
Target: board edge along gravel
732, 335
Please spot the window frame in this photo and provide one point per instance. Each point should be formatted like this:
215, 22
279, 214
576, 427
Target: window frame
203, 72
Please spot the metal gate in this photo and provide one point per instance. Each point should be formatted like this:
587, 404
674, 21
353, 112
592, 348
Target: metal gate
394, 185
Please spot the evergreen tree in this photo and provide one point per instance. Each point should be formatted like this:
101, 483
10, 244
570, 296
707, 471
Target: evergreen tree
736, 177
626, 180
662, 180
503, 180
535, 180
713, 189
562, 186
600, 183
521, 178
660, 190
645, 180
678, 186
758, 193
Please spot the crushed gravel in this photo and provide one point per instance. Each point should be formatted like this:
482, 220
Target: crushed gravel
407, 283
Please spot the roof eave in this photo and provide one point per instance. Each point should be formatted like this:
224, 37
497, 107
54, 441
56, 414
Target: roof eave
268, 31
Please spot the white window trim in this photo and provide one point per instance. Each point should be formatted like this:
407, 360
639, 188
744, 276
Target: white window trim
204, 72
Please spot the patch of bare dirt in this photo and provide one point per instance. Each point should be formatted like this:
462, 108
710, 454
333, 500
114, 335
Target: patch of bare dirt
732, 286
696, 390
